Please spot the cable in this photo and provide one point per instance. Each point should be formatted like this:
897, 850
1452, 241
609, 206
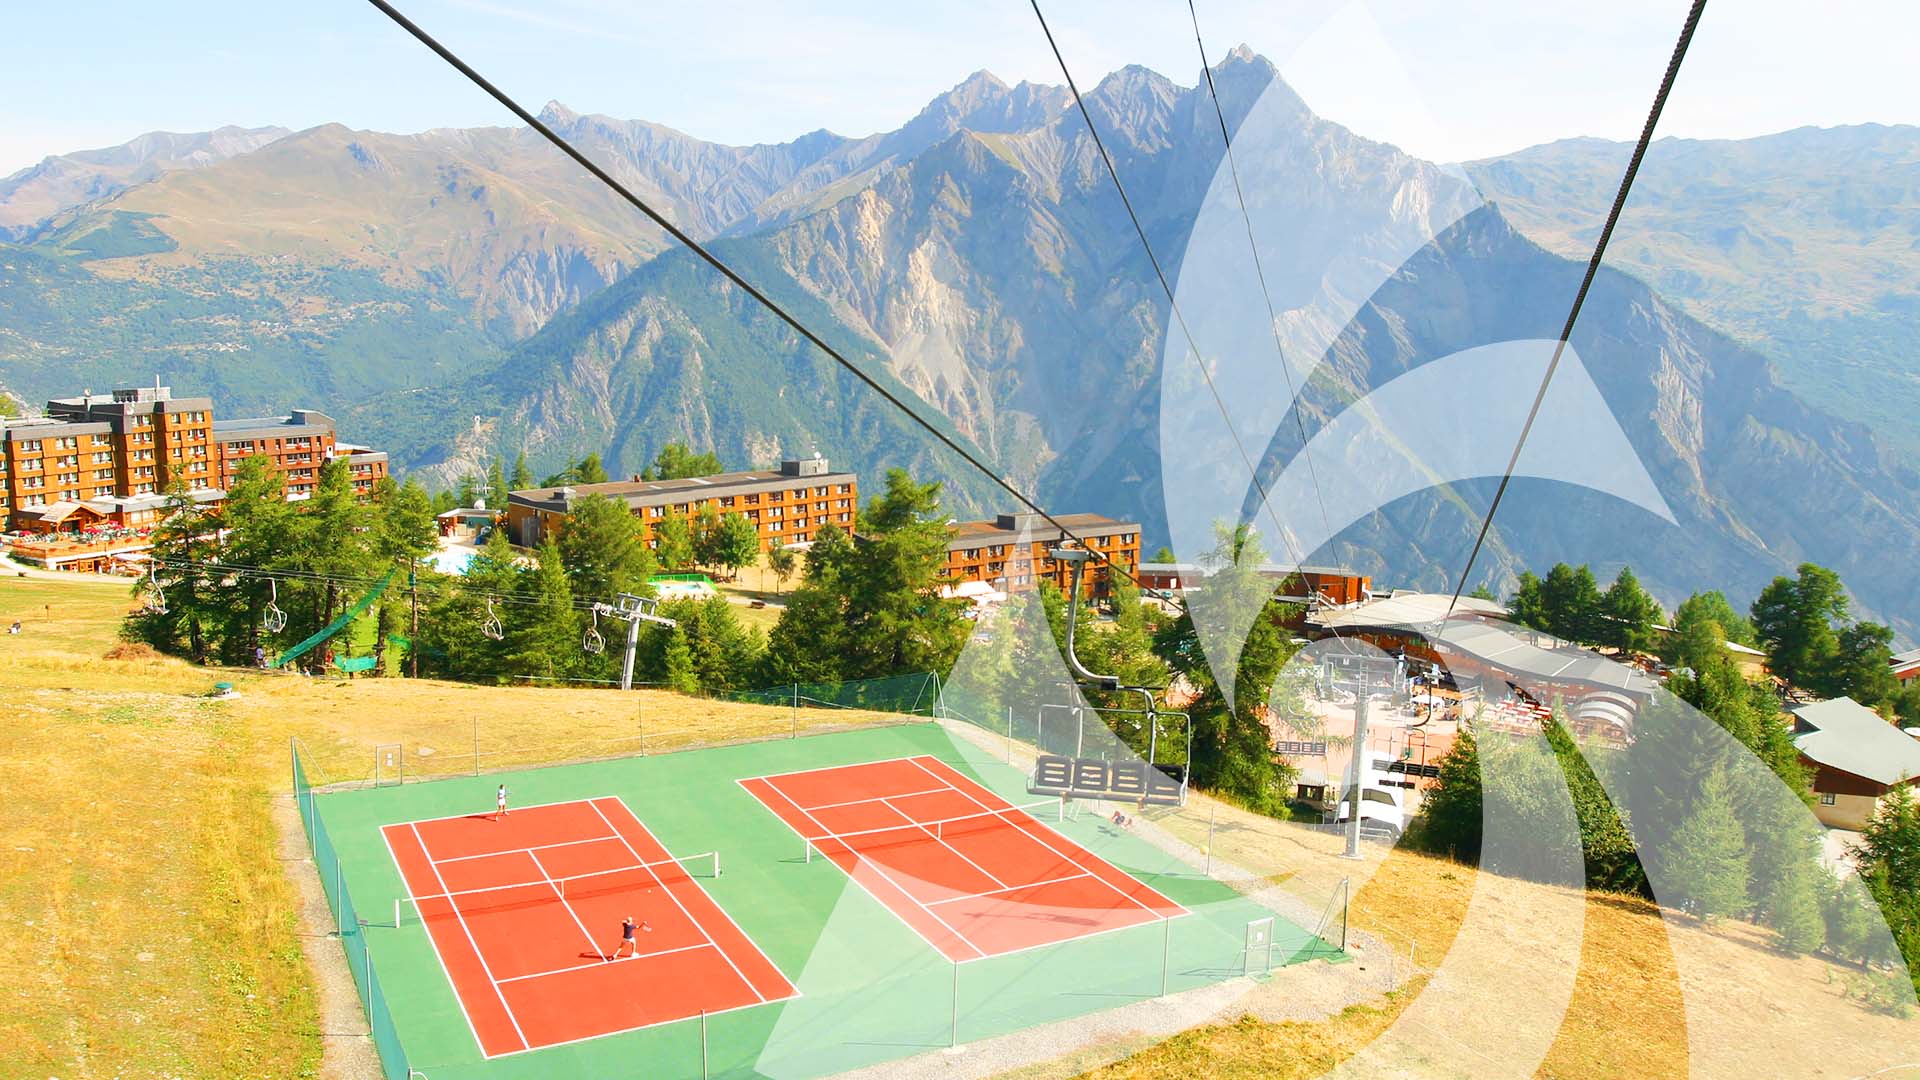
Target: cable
1259, 269
730, 274
1580, 298
1193, 346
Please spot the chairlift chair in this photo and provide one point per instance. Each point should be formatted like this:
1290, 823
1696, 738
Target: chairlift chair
491, 627
273, 620
591, 641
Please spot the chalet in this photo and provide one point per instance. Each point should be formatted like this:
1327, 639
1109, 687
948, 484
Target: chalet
1906, 665
1856, 758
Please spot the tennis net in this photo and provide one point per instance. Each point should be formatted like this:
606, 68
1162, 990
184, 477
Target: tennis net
940, 830
412, 910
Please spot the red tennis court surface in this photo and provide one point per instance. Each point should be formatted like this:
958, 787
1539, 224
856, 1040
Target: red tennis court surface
970, 872
522, 910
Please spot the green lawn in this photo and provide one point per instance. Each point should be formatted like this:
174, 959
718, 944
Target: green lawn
872, 990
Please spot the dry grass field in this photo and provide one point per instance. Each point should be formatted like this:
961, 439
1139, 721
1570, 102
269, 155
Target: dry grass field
149, 926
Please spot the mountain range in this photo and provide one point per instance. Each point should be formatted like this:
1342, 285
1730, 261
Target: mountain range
463, 293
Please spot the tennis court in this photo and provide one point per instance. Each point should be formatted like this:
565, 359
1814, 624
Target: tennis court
971, 873
525, 913
477, 942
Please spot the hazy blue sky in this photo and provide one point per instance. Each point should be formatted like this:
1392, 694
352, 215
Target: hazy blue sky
1482, 77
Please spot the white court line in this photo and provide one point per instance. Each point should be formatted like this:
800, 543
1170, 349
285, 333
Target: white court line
711, 1013
1014, 888
482, 957
675, 897
874, 798
493, 814
1044, 842
821, 768
516, 851
562, 897
775, 788
942, 841
603, 962
430, 940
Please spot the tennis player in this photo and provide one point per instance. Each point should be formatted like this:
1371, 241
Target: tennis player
626, 938
500, 802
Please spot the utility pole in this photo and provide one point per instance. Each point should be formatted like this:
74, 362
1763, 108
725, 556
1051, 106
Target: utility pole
1358, 768
413, 647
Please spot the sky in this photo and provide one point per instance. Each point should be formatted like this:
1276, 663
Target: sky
1448, 82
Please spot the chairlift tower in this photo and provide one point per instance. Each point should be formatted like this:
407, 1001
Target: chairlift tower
632, 610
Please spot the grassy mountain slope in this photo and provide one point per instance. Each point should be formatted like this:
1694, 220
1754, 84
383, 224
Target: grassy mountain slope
1804, 244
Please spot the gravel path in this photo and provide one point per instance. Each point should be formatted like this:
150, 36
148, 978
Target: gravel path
347, 1051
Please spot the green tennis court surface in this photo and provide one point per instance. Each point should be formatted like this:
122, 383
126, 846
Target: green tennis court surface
871, 987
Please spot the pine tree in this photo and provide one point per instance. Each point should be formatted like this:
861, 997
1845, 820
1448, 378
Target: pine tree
545, 638
522, 478
497, 486
1794, 618
602, 550
590, 471
1450, 816
1529, 606
676, 462
673, 541
1629, 615
1713, 606
1706, 857
681, 674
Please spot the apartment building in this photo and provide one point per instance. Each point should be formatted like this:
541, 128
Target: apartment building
1010, 552
108, 459
787, 505
297, 444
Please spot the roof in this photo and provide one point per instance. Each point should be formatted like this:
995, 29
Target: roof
268, 426
661, 492
1403, 610
1032, 529
1903, 661
1851, 738
1499, 645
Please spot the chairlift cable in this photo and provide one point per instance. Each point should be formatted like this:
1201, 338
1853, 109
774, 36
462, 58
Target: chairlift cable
1586, 282
1260, 272
733, 276
1173, 305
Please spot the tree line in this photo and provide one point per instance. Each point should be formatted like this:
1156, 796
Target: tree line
1711, 825
1802, 623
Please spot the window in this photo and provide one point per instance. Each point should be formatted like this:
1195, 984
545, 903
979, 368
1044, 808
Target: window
1826, 798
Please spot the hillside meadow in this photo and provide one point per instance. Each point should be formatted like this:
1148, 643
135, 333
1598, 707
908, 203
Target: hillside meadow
150, 880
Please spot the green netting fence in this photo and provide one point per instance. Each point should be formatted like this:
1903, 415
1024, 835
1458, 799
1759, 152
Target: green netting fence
917, 694
348, 927
339, 623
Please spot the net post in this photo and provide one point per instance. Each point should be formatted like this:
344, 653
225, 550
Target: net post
396, 913
807, 847
640, 726
953, 1032
1009, 734
1166, 949
703, 1044
1212, 809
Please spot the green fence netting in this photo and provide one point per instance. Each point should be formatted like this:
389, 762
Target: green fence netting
914, 695
349, 927
339, 623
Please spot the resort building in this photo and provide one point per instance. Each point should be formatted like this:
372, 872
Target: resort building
787, 505
1856, 758
1010, 552
92, 474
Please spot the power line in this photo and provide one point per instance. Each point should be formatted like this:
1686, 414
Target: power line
730, 274
1173, 305
1586, 282
1259, 269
